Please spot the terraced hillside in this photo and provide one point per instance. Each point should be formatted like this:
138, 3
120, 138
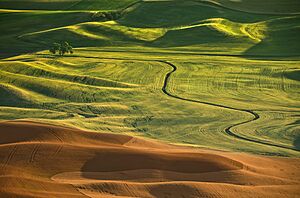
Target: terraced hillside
211, 74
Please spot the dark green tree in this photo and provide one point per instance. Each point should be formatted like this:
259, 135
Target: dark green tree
55, 48
61, 48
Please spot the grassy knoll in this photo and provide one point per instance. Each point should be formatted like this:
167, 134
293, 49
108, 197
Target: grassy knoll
220, 65
167, 24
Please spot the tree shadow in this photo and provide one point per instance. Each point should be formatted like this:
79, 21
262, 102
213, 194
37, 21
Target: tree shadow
296, 142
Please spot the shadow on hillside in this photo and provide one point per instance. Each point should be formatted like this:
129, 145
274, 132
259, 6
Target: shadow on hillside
126, 164
158, 14
293, 75
296, 142
284, 43
193, 36
12, 54
76, 42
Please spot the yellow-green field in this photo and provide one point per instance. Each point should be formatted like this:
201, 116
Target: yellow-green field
211, 74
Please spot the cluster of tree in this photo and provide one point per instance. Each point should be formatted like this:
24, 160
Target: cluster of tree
61, 48
106, 16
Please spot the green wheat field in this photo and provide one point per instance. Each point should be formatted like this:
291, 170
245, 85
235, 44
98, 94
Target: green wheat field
206, 73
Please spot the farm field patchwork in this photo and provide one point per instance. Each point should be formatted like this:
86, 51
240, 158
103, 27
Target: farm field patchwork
122, 92
214, 75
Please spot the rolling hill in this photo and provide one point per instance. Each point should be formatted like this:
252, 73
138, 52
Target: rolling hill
214, 75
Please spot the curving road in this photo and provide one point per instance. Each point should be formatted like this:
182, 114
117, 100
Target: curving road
228, 130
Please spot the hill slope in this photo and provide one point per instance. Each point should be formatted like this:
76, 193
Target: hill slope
183, 65
210, 80
102, 165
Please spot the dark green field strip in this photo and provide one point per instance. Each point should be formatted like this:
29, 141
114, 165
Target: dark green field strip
177, 13
286, 8
17, 24
66, 5
265, 7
